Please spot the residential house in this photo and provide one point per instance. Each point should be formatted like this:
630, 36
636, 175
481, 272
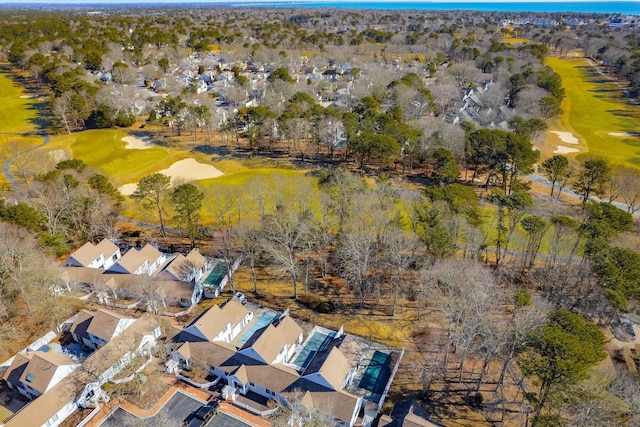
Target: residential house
33, 373
95, 329
103, 255
83, 387
186, 268
139, 261
221, 323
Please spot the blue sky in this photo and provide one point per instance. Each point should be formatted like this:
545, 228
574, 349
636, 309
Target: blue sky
272, 1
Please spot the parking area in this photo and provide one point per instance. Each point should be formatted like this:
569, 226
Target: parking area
179, 408
174, 412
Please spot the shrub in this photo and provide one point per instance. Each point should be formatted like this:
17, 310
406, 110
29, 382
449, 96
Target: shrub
125, 119
316, 303
325, 307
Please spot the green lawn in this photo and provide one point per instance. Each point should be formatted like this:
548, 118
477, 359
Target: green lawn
104, 150
16, 113
594, 109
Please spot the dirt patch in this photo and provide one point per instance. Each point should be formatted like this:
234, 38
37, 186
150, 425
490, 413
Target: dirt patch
566, 137
182, 171
136, 143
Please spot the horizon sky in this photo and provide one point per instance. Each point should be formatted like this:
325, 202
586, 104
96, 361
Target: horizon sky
76, 2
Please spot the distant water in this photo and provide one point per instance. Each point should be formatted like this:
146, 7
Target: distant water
607, 7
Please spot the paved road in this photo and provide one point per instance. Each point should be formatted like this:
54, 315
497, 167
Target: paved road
6, 166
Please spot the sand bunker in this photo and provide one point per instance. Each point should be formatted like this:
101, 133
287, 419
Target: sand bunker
566, 137
565, 150
622, 134
128, 189
182, 171
135, 143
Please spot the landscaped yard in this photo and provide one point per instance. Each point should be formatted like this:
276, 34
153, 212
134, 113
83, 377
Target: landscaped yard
597, 113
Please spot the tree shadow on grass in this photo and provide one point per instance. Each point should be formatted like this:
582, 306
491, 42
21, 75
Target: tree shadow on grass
42, 120
221, 152
625, 113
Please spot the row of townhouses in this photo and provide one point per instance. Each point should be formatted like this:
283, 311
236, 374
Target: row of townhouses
144, 275
267, 357
58, 379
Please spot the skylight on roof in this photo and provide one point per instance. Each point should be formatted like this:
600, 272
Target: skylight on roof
29, 378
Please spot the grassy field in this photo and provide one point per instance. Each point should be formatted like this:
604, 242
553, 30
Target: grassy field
597, 113
17, 111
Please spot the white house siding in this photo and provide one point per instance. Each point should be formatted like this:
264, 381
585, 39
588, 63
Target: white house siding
287, 352
198, 290
224, 334
97, 263
265, 392
60, 374
356, 410
240, 326
122, 325
281, 357
157, 263
144, 269
233, 381
112, 259
61, 415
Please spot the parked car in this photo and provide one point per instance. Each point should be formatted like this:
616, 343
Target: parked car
240, 297
203, 416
